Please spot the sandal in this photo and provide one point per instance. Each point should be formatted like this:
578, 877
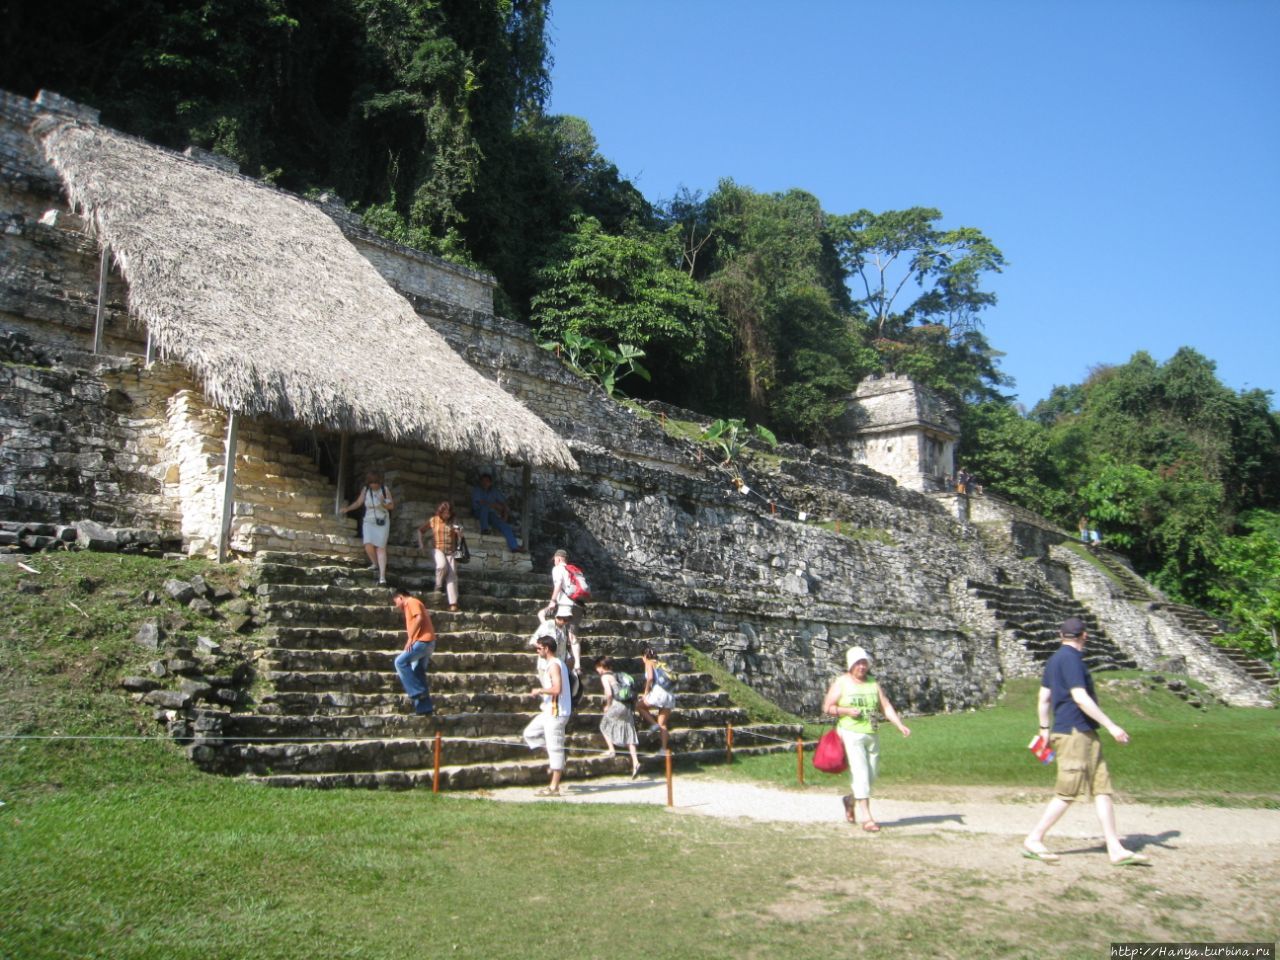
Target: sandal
871, 826
1039, 852
546, 792
1132, 860
635, 771
849, 814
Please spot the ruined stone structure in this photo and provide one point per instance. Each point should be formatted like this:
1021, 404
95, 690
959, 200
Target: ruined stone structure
828, 549
899, 428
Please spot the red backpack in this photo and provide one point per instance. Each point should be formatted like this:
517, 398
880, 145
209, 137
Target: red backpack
577, 590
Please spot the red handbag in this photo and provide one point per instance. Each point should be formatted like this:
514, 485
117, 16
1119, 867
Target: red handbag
829, 756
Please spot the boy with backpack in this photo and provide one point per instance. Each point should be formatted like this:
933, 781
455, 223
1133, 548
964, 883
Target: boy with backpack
569, 592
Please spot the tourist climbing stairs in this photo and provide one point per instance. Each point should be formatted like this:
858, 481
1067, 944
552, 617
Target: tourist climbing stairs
1034, 617
331, 712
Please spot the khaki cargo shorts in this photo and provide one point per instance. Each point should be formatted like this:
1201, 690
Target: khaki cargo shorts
1081, 770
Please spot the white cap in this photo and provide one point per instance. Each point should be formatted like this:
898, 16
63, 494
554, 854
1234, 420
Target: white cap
854, 655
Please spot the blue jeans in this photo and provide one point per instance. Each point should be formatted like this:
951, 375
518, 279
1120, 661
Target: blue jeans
489, 519
411, 665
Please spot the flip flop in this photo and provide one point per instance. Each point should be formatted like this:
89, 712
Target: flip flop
871, 826
1132, 860
849, 815
1044, 856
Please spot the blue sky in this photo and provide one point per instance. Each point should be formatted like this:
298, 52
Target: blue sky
1124, 155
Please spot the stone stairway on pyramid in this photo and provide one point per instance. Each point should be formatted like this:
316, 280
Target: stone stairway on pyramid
331, 712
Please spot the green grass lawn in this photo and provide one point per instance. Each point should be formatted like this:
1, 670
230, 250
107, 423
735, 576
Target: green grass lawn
1217, 755
122, 849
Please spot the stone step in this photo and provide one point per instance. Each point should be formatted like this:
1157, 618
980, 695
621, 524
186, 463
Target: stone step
257, 727
386, 617
390, 641
348, 756
392, 700
363, 591
528, 772
520, 658
377, 681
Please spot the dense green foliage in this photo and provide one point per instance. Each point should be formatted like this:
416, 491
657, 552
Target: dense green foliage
428, 117
1175, 469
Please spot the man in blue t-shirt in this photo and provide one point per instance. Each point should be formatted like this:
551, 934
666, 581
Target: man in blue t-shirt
1069, 720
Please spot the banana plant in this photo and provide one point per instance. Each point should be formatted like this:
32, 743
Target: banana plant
732, 437
596, 360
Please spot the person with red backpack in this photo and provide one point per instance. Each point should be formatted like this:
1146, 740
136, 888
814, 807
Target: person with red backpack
569, 595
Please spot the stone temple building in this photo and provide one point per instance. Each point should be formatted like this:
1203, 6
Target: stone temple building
186, 349
897, 427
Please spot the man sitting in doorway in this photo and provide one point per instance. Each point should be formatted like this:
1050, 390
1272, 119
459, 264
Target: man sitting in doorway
490, 509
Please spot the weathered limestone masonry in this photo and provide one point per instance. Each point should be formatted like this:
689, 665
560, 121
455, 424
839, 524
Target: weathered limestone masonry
897, 427
1155, 639
656, 525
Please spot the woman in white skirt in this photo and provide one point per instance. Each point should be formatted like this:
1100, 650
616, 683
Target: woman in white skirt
378, 503
657, 696
618, 725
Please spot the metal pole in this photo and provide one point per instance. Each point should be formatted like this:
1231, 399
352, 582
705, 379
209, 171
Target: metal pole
99, 321
151, 349
228, 484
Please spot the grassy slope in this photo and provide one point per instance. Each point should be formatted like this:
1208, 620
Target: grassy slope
122, 850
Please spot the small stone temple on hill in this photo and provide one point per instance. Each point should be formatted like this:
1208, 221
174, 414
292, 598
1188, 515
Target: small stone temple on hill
191, 350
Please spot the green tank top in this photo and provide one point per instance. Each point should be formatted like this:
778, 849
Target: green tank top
866, 697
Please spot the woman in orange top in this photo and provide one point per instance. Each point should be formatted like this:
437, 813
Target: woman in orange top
446, 534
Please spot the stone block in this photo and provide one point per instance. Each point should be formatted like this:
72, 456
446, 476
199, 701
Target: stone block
179, 590
139, 684
149, 635
168, 699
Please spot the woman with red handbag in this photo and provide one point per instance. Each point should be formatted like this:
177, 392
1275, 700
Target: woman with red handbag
854, 699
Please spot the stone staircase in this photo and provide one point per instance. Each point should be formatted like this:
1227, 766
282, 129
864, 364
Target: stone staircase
1193, 619
1130, 586
333, 714
1034, 617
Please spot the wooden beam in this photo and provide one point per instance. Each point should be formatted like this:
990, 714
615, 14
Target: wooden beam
228, 485
344, 471
104, 265
526, 504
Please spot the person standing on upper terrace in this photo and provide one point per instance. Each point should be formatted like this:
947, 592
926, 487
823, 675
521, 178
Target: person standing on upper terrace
489, 507
1069, 720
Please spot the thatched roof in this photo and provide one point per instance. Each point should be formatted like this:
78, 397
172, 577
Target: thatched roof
259, 293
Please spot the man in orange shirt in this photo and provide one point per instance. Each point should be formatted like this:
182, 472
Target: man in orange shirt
420, 643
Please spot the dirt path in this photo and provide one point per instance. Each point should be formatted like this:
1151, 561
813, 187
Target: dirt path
1213, 875
959, 809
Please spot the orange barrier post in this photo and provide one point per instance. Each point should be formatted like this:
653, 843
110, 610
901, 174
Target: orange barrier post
800, 759
773, 507
837, 526
435, 774
728, 743
670, 800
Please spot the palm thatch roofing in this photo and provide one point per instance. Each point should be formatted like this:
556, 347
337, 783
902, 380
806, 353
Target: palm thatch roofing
273, 309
